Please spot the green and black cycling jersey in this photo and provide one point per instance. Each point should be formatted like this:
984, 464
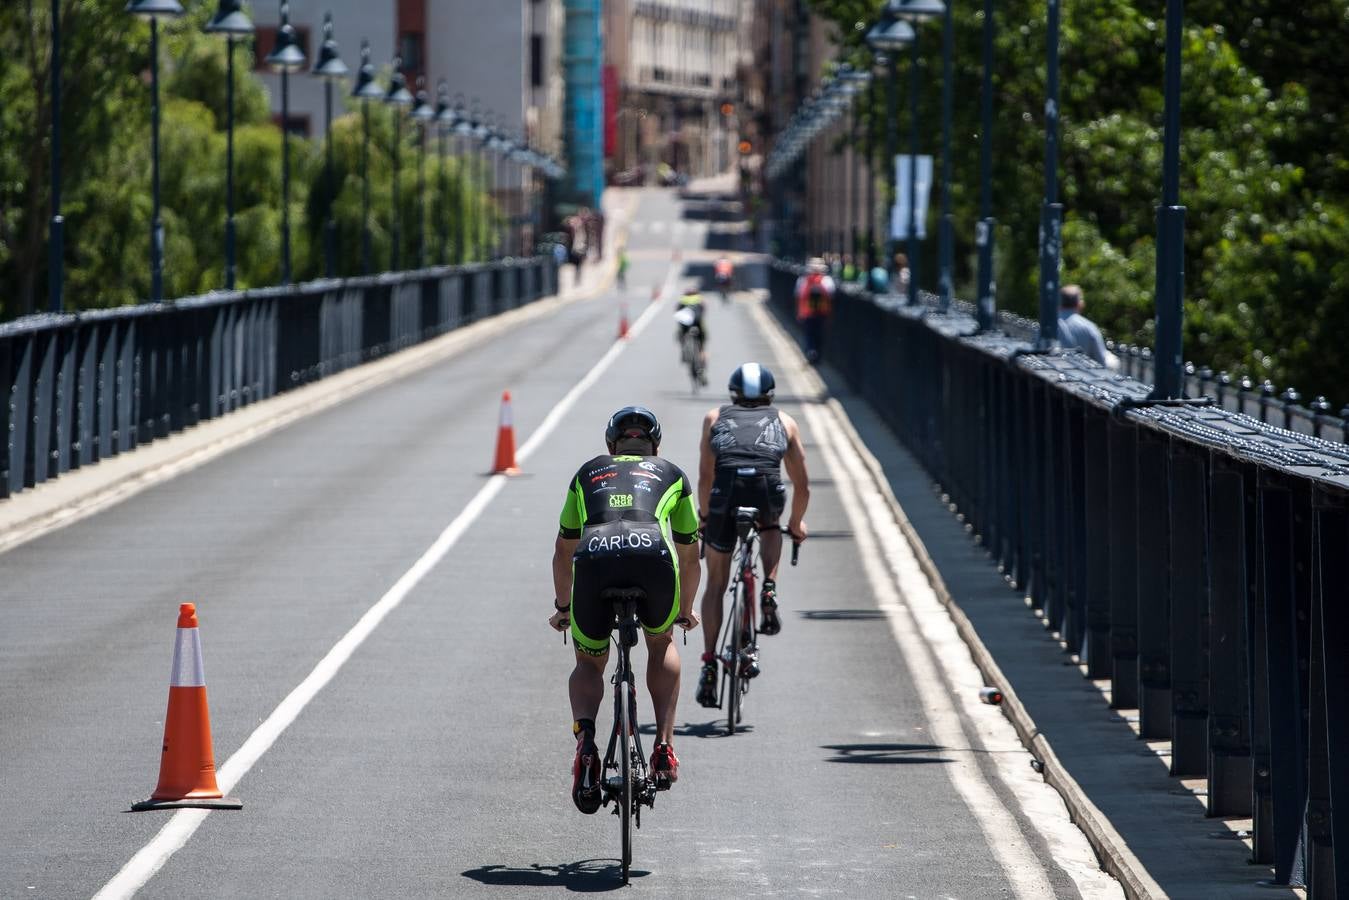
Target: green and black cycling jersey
634, 489
626, 512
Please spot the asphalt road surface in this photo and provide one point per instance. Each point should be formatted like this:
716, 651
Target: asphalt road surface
434, 758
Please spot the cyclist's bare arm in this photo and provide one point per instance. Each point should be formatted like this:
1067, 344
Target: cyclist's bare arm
690, 571
563, 548
795, 464
707, 461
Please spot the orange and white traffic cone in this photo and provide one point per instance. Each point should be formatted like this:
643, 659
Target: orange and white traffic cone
187, 766
622, 320
505, 455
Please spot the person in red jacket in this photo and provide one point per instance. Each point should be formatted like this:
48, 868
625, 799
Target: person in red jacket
814, 305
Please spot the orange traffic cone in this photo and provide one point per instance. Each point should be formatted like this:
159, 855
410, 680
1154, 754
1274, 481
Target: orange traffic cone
505, 456
187, 767
622, 320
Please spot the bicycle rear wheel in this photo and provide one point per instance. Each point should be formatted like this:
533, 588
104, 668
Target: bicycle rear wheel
733, 675
625, 697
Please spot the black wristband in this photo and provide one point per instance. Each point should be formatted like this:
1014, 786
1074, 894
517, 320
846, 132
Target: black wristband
561, 608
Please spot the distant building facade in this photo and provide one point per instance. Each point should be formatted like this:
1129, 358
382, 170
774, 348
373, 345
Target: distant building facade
676, 69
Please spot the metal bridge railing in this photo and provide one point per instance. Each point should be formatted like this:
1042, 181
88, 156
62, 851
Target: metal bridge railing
1197, 557
81, 387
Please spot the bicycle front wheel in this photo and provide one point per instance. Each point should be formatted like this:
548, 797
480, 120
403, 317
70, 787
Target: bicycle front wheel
625, 698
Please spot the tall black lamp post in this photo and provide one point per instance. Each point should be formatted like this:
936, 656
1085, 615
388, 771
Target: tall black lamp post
444, 122
231, 21
286, 57
1051, 212
887, 37
422, 114
330, 68
154, 10
55, 233
367, 91
915, 12
463, 134
1170, 300
397, 97
984, 234
946, 238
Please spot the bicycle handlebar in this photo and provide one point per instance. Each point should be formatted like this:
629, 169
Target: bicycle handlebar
796, 545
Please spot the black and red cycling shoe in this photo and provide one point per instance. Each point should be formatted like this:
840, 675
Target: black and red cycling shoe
664, 766
769, 623
707, 683
585, 777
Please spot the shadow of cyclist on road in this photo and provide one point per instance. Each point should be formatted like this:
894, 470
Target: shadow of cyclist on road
584, 877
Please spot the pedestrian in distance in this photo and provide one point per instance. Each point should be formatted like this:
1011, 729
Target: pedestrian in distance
1077, 332
814, 305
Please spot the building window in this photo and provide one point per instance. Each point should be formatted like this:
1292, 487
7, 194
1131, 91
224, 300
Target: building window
264, 42
536, 60
410, 49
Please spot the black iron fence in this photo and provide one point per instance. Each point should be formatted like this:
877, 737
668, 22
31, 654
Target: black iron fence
1195, 556
79, 388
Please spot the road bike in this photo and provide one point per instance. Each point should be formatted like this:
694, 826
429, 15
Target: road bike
740, 635
625, 779
690, 353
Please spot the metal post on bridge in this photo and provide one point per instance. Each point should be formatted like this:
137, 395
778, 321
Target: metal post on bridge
230, 21
1170, 291
987, 297
916, 12
55, 235
1051, 212
331, 69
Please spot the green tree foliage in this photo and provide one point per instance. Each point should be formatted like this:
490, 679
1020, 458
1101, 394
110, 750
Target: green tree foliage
106, 166
1265, 176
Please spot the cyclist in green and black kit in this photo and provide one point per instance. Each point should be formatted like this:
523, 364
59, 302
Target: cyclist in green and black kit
628, 522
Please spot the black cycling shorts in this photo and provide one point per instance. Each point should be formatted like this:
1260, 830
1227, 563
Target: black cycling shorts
621, 554
732, 488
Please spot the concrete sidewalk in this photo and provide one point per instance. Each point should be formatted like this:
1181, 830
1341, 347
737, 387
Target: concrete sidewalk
1148, 821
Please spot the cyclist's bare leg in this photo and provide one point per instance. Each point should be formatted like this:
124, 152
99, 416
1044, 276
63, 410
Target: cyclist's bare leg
718, 576
662, 680
770, 550
586, 685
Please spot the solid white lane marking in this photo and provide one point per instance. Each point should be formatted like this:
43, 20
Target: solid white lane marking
179, 829
920, 624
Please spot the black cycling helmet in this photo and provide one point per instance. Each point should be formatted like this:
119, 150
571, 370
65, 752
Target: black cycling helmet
752, 383
632, 421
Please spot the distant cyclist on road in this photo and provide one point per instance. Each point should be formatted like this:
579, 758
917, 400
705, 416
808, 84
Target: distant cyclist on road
744, 448
628, 522
723, 271
690, 314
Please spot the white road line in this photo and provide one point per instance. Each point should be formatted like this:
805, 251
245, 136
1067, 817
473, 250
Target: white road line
179, 829
880, 541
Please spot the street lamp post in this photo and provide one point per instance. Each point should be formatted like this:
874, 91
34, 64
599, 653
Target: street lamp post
915, 12
367, 91
946, 228
331, 69
286, 57
55, 234
422, 114
230, 21
1168, 383
887, 37
1051, 213
463, 128
397, 97
153, 10
444, 122
984, 235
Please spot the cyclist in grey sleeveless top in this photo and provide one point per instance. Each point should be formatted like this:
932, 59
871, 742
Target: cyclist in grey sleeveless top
745, 446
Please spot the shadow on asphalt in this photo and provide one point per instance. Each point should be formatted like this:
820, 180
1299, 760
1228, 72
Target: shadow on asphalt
584, 877
890, 754
713, 729
842, 615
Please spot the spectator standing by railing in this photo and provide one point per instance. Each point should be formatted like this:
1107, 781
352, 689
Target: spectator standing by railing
1077, 332
814, 305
